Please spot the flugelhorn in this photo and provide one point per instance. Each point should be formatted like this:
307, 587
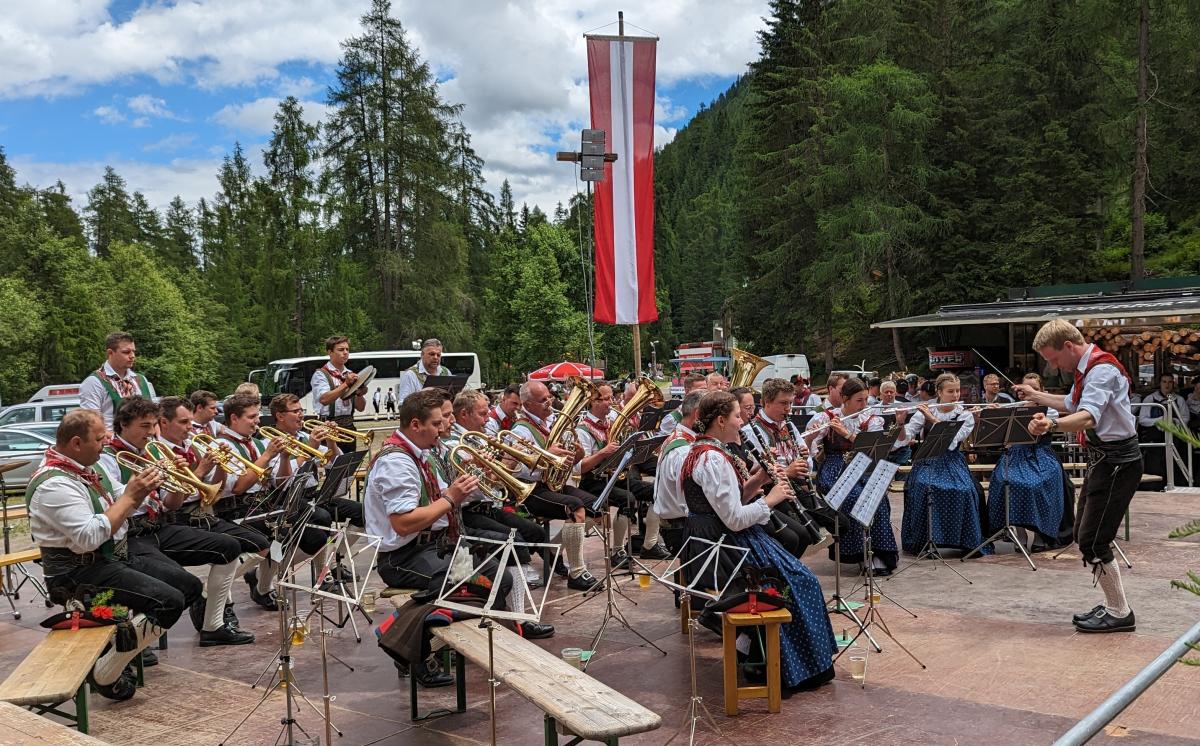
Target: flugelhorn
335, 433
494, 477
297, 448
174, 480
230, 461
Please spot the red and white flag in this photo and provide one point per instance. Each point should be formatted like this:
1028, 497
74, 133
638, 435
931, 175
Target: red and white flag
621, 83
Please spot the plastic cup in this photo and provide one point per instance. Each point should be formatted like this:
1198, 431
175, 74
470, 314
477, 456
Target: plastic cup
368, 602
644, 580
574, 657
858, 663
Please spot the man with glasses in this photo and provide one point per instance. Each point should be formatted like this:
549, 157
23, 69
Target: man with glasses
289, 419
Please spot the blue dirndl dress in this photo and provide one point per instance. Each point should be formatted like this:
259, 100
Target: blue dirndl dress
957, 518
807, 643
1035, 489
851, 543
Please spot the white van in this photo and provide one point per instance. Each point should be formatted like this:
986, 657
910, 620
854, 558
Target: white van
56, 391
783, 366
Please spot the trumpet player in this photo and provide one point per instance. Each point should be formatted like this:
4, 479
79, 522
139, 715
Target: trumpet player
289, 418
504, 415
204, 412
163, 541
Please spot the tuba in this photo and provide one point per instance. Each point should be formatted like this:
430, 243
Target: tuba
647, 393
746, 367
494, 477
562, 432
180, 482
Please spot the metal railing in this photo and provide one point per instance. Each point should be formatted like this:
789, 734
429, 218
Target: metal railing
1171, 455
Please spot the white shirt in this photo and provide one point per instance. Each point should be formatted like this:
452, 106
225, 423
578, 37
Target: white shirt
717, 477
1147, 416
108, 462
172, 446
495, 417
212, 427
587, 441
668, 492
1193, 403
410, 382
811, 404
394, 488
1106, 397
866, 423
916, 423
61, 516
670, 421
227, 437
320, 387
93, 395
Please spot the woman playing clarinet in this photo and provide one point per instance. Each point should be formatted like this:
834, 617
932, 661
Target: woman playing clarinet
845, 423
714, 486
945, 481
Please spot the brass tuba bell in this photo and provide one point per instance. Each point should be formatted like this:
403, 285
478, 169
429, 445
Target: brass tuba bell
746, 367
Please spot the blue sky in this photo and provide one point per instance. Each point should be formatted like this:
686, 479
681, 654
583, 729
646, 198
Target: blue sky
163, 90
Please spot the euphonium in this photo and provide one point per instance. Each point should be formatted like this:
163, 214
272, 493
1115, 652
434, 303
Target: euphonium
494, 477
524, 450
335, 433
562, 432
229, 460
297, 448
180, 482
746, 367
622, 427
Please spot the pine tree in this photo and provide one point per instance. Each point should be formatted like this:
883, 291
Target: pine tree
109, 213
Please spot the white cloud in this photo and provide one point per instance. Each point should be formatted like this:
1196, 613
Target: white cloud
258, 117
150, 106
171, 143
109, 114
160, 182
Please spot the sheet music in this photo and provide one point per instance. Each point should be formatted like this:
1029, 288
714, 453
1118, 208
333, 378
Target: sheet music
846, 482
874, 491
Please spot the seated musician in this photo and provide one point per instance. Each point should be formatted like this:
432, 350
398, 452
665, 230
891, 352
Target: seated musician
471, 414
241, 494
691, 382
204, 412
504, 415
78, 520
534, 423
669, 504
289, 418
714, 487
430, 364
104, 389
413, 512
330, 383
943, 486
716, 382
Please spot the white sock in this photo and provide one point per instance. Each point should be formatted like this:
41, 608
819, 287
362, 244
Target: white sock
516, 594
653, 524
247, 561
265, 575
219, 583
620, 532
572, 544
110, 665
530, 573
1114, 591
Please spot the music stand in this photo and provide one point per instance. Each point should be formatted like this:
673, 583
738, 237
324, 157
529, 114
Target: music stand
1004, 428
708, 558
450, 384
936, 444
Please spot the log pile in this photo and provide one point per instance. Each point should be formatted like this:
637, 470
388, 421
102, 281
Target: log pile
1144, 342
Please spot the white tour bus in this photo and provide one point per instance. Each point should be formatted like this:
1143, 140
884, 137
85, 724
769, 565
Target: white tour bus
294, 374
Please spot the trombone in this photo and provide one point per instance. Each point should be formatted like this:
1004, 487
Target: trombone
336, 433
181, 482
230, 461
295, 447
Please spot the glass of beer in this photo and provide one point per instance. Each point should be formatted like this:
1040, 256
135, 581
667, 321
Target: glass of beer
858, 663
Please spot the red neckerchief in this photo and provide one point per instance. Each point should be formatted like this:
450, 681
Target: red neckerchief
599, 429
431, 484
247, 442
187, 454
117, 443
773, 427
125, 387
687, 435
527, 417
337, 375
701, 445
153, 504
1096, 357
800, 399
55, 460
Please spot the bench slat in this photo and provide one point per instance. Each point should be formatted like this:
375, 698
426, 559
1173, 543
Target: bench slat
583, 705
22, 726
15, 514
54, 670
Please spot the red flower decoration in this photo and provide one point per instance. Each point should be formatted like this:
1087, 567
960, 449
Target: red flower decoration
102, 612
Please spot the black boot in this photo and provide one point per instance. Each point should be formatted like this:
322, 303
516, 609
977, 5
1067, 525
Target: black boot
120, 690
430, 675
149, 658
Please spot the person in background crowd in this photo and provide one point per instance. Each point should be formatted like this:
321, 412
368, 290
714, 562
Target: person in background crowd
376, 398
901, 452
873, 391
504, 415
691, 382
834, 385
991, 391
902, 391
1147, 417
803, 396
390, 404
1193, 405
717, 382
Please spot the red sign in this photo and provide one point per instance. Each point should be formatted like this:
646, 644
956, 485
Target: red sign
951, 359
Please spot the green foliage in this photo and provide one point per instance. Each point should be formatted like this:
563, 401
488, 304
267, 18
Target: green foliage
21, 331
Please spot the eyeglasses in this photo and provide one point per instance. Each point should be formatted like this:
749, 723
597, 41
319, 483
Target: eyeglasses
294, 411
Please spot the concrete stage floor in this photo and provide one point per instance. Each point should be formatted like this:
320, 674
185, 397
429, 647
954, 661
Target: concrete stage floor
1005, 666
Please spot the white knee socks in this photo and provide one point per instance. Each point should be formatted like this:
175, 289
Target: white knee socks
516, 595
217, 589
620, 532
652, 528
1109, 577
110, 665
572, 544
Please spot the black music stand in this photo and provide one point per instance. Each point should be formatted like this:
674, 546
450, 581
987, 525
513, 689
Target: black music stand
652, 418
1004, 428
800, 420
450, 384
936, 443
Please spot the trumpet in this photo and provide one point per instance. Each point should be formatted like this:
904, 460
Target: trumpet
295, 447
182, 482
494, 477
335, 433
230, 461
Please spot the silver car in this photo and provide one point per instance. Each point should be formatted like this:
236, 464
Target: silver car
51, 410
19, 444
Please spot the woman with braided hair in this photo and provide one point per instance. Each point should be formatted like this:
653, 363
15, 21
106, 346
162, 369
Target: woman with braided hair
723, 501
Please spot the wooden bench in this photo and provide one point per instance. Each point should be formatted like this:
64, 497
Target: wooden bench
7, 588
56, 671
587, 709
21, 726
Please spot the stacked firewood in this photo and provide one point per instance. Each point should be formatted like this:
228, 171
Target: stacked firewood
1145, 341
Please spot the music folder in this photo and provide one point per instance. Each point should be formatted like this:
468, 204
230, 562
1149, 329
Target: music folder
450, 384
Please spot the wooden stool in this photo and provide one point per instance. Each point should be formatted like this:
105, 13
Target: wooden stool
773, 690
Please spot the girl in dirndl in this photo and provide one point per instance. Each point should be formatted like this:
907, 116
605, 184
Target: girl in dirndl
943, 487
715, 483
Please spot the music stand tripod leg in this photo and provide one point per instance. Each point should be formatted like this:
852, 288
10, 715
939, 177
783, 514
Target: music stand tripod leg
1117, 548
1007, 529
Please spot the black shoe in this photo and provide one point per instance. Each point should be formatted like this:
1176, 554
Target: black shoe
535, 631
401, 669
585, 581
229, 618
619, 559
430, 676
149, 658
120, 690
654, 553
560, 568
267, 600
225, 636
196, 613
1103, 621
881, 572
1087, 614
535, 582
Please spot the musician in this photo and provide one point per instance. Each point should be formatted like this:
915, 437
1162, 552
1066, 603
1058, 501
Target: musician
945, 482
103, 389
1036, 484
833, 385
845, 424
691, 382
669, 504
330, 383
289, 419
991, 391
714, 487
504, 415
413, 379
803, 396
716, 382
204, 412
78, 519
1097, 406
534, 423
889, 397
902, 391
873, 391
411, 510
240, 495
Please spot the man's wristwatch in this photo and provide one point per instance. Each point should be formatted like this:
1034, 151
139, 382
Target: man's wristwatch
1053, 424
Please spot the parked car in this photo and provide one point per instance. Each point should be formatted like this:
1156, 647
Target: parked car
22, 444
56, 391
43, 411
